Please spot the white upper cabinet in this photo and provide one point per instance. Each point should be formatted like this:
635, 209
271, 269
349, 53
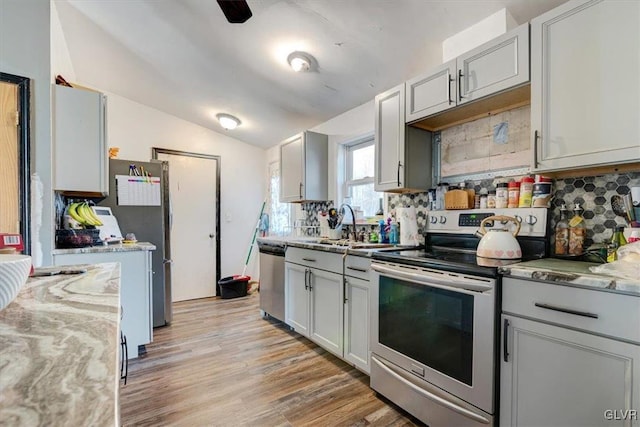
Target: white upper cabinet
493, 67
585, 85
402, 153
80, 146
432, 92
303, 167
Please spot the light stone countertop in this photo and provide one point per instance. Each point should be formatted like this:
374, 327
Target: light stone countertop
117, 247
59, 351
571, 273
313, 243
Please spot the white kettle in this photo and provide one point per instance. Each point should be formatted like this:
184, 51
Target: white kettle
499, 243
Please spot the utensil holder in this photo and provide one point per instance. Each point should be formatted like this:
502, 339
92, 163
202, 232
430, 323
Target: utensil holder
335, 233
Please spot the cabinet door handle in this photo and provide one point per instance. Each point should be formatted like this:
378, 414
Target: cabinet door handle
399, 166
309, 259
449, 81
306, 281
505, 344
344, 290
310, 277
535, 149
566, 310
460, 85
300, 190
361, 270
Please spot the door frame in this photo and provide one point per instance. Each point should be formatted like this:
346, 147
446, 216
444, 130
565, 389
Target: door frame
24, 154
218, 159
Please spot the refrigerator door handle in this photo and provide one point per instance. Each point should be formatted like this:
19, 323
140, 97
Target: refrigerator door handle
167, 261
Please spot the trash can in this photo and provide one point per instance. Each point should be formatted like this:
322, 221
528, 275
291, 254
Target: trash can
234, 286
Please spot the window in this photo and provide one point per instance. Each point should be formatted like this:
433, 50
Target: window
358, 186
280, 213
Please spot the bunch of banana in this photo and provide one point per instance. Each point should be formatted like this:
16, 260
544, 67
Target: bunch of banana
83, 214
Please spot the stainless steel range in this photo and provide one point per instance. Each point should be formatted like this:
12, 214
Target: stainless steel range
434, 318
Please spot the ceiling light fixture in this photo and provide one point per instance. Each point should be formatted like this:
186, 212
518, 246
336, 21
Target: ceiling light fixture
228, 121
301, 61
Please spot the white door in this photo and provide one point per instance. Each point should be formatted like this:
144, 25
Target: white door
356, 319
389, 139
192, 186
291, 169
431, 93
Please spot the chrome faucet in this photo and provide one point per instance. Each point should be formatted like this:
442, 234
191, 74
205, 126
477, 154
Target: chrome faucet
353, 218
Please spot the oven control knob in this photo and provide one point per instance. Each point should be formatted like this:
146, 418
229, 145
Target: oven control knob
518, 218
443, 219
531, 220
433, 220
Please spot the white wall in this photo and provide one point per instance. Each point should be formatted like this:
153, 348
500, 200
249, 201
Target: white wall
136, 128
25, 51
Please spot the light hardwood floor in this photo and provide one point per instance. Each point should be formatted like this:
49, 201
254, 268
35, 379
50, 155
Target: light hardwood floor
221, 364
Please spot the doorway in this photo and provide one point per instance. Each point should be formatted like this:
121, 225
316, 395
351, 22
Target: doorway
194, 194
15, 157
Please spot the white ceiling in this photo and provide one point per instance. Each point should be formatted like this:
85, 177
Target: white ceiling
184, 58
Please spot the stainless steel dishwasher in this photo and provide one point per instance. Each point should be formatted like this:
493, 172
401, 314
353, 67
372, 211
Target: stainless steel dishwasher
272, 279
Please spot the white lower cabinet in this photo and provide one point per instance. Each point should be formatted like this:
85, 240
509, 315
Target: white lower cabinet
327, 319
569, 356
554, 376
135, 291
326, 306
356, 322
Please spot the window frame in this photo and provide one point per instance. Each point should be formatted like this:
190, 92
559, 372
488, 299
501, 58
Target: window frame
349, 149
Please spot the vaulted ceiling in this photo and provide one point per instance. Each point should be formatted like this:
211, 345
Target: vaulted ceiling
183, 57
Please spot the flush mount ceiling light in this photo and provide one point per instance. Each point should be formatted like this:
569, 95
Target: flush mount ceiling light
301, 61
228, 121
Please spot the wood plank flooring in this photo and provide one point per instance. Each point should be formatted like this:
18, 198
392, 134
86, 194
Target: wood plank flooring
221, 364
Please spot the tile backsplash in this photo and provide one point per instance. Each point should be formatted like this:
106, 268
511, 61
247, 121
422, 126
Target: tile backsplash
592, 192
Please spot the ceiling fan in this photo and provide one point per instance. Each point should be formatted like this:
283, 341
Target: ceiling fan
236, 11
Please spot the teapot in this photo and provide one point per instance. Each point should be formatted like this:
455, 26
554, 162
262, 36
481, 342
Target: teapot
499, 243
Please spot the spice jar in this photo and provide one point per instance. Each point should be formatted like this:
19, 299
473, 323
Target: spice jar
491, 200
526, 192
514, 194
502, 195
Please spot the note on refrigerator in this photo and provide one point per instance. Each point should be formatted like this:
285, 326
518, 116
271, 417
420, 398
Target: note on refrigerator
138, 190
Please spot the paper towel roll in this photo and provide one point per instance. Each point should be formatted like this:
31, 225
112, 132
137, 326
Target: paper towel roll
408, 226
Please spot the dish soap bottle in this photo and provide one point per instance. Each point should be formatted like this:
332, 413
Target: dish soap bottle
562, 232
577, 232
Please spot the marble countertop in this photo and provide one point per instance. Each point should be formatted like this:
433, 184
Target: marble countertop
314, 243
59, 351
117, 247
572, 273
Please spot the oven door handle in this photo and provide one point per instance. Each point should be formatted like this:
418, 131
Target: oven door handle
450, 284
431, 396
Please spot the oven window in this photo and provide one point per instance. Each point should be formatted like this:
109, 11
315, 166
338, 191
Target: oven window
430, 325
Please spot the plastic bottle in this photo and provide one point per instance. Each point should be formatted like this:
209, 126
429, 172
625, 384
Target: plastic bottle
617, 240
382, 235
562, 233
635, 235
502, 195
526, 192
577, 232
393, 234
514, 194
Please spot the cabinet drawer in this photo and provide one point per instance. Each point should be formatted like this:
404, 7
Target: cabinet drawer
604, 313
357, 266
316, 259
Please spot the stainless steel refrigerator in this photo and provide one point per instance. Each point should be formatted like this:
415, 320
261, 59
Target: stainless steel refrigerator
149, 224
